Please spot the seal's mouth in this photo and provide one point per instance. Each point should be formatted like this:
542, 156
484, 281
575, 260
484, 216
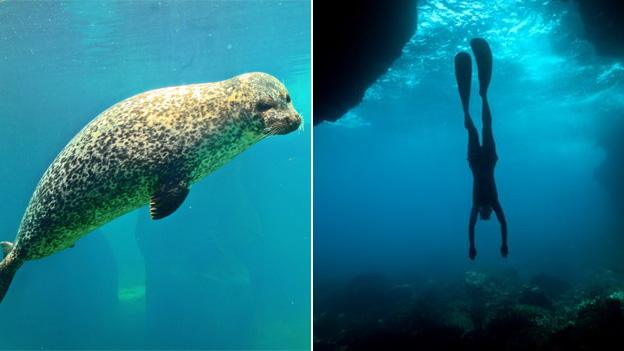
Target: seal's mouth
284, 125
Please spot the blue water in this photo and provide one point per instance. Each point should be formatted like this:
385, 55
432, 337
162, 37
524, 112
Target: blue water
391, 180
229, 269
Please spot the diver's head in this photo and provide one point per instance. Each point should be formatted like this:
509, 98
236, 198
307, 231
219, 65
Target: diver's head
485, 212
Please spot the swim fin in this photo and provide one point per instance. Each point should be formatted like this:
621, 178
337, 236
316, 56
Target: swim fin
483, 55
463, 74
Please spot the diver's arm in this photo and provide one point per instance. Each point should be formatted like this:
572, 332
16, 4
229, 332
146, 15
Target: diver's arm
472, 252
503, 223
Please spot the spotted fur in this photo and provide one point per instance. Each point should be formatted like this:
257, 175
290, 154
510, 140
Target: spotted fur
116, 163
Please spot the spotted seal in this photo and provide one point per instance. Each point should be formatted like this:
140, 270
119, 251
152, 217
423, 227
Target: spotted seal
147, 149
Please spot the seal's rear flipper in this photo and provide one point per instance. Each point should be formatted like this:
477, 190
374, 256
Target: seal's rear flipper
167, 200
463, 74
8, 267
483, 55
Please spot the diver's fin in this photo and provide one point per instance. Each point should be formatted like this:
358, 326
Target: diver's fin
463, 74
7, 246
8, 267
167, 199
483, 55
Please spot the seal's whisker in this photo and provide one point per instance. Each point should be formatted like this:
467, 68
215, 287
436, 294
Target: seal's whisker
270, 131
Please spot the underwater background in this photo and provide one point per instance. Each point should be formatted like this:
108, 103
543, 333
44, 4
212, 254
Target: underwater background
230, 269
392, 192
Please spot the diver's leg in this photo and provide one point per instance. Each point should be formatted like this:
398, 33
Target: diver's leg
463, 75
489, 147
473, 137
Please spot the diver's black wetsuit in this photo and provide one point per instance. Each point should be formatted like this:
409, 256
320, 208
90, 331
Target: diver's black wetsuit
481, 158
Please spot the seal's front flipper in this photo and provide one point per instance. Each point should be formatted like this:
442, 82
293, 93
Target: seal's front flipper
463, 74
483, 55
167, 199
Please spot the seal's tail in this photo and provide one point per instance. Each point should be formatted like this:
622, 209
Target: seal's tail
8, 267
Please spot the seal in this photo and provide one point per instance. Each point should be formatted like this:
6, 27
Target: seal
147, 149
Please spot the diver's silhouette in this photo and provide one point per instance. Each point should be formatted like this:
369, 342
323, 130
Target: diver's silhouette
481, 158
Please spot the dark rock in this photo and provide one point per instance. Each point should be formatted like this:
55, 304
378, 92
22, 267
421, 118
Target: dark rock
513, 329
364, 292
427, 337
482, 312
598, 326
611, 171
354, 44
601, 314
400, 294
535, 296
604, 25
550, 285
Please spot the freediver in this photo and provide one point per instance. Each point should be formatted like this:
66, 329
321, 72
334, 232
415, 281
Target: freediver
481, 158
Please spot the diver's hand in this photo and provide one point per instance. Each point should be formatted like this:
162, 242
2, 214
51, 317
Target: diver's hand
504, 250
472, 253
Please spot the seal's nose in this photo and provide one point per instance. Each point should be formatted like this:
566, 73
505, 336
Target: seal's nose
295, 121
290, 123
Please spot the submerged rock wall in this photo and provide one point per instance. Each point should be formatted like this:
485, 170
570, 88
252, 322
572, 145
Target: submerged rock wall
603, 21
484, 311
354, 45
604, 25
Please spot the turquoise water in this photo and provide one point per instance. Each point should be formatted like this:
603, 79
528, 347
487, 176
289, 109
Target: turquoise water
230, 269
395, 166
392, 192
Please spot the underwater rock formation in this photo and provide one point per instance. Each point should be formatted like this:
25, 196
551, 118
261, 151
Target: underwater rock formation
610, 173
603, 21
485, 311
354, 44
534, 296
551, 285
604, 25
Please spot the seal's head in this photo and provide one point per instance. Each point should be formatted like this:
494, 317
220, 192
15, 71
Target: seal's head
272, 106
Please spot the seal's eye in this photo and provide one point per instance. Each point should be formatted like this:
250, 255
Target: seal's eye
263, 106
287, 99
